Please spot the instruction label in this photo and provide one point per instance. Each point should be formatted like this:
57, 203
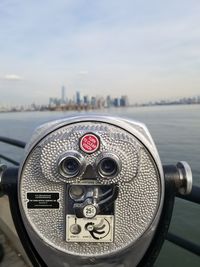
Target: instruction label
43, 200
98, 229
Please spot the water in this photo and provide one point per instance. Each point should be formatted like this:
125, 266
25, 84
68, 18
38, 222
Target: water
176, 132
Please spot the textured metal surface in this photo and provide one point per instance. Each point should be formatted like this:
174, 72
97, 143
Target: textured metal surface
139, 186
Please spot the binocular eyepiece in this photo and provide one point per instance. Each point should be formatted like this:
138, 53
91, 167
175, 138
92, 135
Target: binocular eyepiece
108, 165
72, 164
91, 191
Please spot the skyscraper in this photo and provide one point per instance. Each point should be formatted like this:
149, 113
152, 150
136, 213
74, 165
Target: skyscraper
63, 96
108, 101
85, 100
124, 101
116, 102
78, 98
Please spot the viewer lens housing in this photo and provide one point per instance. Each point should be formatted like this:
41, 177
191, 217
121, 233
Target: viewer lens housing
71, 164
108, 165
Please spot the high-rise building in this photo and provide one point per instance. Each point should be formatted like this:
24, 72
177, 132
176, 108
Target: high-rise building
124, 101
116, 102
93, 101
78, 98
108, 101
85, 100
100, 102
63, 95
53, 102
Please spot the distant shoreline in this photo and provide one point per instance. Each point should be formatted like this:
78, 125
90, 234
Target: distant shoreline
97, 109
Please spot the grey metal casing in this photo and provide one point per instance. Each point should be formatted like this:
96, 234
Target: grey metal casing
130, 255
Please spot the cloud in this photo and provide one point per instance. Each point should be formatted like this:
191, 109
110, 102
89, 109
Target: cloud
99, 46
83, 72
12, 77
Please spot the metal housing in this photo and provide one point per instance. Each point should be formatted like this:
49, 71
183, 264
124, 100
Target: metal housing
138, 207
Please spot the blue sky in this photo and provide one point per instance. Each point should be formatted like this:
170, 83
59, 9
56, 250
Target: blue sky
145, 49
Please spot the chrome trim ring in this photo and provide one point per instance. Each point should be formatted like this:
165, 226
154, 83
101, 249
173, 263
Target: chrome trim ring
74, 155
110, 156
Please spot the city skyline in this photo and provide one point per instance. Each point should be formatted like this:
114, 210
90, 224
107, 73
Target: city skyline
146, 50
90, 102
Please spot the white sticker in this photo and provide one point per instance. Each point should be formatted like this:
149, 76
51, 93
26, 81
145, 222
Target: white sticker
89, 211
97, 229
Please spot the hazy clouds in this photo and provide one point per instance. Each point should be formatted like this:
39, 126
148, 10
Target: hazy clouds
146, 49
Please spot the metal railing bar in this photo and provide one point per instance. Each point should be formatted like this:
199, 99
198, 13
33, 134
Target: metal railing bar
12, 141
194, 196
9, 160
181, 242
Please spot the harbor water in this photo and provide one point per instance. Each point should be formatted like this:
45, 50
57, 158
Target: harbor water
176, 132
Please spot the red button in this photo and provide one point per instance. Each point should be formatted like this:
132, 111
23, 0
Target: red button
89, 143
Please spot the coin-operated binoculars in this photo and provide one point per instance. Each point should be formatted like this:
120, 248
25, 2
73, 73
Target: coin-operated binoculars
91, 191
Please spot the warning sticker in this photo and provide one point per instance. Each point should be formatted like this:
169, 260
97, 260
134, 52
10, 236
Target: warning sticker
98, 229
89, 143
43, 200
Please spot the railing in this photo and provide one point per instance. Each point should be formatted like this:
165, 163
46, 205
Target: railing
12, 142
193, 197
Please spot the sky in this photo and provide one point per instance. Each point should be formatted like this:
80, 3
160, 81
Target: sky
147, 50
